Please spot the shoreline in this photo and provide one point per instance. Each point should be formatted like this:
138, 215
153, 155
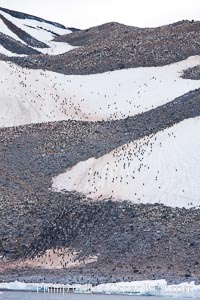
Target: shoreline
159, 288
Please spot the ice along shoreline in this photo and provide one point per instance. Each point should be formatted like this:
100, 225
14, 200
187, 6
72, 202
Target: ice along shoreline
139, 288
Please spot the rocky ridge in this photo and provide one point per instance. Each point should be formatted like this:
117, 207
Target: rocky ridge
28, 31
192, 73
24, 36
115, 46
21, 15
16, 47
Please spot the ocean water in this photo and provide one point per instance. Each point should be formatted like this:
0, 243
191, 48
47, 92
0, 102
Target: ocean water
42, 296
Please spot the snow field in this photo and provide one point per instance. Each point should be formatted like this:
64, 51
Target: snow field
161, 168
36, 96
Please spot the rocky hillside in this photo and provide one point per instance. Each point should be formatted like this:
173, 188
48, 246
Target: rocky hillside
99, 164
114, 46
192, 73
26, 35
9, 44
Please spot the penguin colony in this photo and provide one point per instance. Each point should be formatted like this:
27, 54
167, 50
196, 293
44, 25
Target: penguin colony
106, 241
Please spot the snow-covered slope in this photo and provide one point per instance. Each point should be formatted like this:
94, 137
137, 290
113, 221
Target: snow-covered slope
162, 168
35, 96
41, 30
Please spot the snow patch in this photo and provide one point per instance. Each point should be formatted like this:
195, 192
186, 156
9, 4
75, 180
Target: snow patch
35, 96
161, 168
51, 259
56, 48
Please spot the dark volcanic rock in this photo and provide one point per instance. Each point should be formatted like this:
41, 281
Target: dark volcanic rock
16, 46
97, 34
114, 46
192, 73
131, 241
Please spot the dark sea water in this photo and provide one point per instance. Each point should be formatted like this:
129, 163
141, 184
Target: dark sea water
42, 296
